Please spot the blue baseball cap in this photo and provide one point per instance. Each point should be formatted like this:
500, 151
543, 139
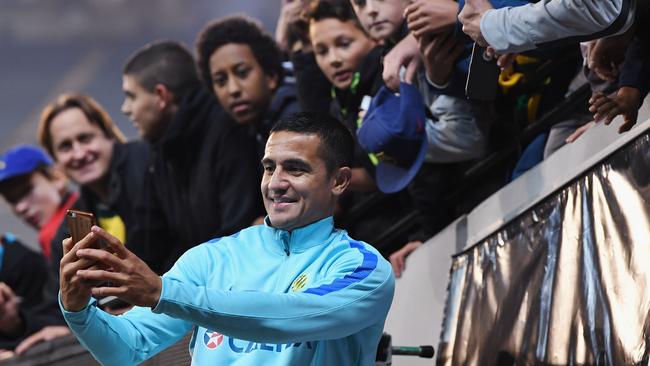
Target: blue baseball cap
394, 130
22, 159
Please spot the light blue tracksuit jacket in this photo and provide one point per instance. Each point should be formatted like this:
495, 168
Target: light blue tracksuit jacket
312, 296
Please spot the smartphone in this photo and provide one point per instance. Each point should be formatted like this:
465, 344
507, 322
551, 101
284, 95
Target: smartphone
483, 76
112, 302
79, 224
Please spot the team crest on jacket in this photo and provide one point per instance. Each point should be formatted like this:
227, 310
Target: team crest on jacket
212, 339
299, 283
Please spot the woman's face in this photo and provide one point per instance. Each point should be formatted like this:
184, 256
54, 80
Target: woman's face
80, 147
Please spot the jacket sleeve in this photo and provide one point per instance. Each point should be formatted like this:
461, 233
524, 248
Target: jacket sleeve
356, 293
46, 313
550, 23
127, 339
635, 70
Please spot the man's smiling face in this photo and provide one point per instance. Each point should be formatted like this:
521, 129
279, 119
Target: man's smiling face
297, 187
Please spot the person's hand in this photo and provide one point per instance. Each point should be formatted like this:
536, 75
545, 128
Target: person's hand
439, 54
405, 53
426, 17
132, 280
606, 54
46, 334
471, 16
10, 320
626, 102
6, 354
75, 291
398, 259
579, 132
289, 13
503, 60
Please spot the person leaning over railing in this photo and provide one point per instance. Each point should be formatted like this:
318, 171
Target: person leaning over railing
37, 192
90, 149
204, 168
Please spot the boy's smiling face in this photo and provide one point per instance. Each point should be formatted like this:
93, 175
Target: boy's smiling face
339, 48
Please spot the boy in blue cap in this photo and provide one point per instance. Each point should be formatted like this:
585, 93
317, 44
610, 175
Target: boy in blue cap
37, 193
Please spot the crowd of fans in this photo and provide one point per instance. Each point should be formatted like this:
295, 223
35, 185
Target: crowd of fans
392, 71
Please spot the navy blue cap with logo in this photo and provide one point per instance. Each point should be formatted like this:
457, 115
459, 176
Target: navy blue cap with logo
394, 131
21, 160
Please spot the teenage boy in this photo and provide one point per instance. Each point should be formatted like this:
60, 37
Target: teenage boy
37, 193
204, 171
242, 65
455, 131
351, 62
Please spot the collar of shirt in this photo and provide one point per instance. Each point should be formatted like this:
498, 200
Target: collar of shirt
302, 238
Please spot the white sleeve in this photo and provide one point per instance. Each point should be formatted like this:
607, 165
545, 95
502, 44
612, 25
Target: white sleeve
554, 22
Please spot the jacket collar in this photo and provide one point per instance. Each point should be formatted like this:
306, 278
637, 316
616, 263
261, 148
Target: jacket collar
197, 112
302, 238
369, 81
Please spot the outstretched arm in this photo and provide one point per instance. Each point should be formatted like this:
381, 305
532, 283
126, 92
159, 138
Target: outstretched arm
124, 340
356, 293
547, 23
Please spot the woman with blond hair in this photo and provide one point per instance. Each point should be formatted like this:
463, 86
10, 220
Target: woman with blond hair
92, 151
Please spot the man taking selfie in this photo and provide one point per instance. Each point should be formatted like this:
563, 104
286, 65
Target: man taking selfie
294, 291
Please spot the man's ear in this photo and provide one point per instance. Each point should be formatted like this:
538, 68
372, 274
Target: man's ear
342, 178
165, 96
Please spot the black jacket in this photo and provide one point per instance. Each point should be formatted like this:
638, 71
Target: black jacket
635, 69
147, 233
283, 103
26, 273
205, 173
313, 87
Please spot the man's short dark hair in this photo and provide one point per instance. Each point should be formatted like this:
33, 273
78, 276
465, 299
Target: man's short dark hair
238, 29
164, 62
337, 145
337, 9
